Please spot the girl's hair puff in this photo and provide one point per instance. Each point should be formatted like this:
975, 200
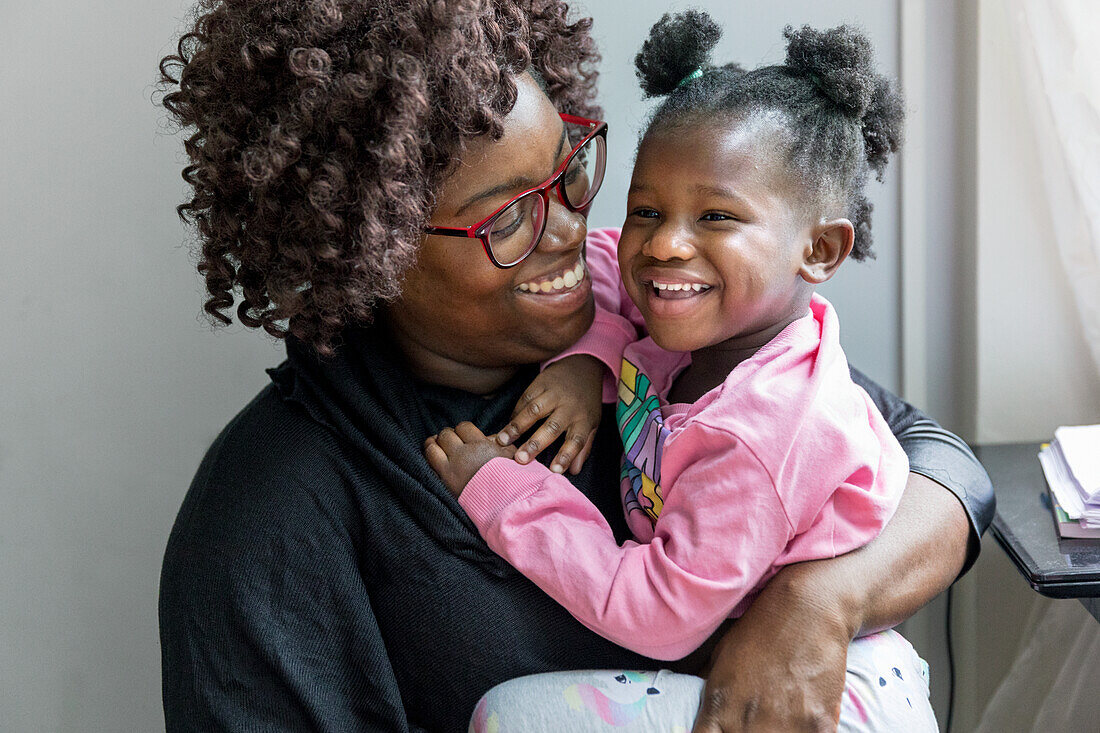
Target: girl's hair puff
837, 118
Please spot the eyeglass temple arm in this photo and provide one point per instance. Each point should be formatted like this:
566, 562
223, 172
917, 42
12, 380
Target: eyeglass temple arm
450, 232
573, 119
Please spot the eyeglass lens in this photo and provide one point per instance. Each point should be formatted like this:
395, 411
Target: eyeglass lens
517, 230
584, 175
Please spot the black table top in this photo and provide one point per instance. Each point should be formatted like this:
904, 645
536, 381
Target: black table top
1024, 526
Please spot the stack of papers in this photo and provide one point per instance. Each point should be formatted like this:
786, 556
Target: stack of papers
1072, 467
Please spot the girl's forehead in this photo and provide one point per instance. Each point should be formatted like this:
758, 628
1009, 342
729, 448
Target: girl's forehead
748, 150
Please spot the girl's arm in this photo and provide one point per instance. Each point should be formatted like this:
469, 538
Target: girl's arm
807, 615
723, 528
712, 544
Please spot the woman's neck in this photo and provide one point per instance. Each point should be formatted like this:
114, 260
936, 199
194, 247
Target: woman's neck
433, 367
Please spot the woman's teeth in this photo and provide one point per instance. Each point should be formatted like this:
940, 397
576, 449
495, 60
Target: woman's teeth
565, 281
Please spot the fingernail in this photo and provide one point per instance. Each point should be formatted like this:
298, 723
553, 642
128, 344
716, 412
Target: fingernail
504, 438
556, 468
521, 456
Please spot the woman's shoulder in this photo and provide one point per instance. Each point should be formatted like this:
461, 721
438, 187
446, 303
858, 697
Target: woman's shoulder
272, 473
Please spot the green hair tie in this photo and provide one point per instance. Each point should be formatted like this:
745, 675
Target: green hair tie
690, 77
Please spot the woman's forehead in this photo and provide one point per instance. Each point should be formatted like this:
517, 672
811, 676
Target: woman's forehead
525, 155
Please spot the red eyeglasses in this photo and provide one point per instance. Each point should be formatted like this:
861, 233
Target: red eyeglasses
513, 231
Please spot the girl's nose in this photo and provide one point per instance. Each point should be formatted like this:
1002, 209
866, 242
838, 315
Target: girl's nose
669, 242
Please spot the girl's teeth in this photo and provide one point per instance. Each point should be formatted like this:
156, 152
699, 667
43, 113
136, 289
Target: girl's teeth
689, 287
569, 278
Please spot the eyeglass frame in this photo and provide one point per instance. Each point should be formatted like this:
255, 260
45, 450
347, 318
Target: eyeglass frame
482, 229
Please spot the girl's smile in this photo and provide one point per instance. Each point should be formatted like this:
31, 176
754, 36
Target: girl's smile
672, 291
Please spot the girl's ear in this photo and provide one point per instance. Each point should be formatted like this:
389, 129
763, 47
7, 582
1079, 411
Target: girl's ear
831, 244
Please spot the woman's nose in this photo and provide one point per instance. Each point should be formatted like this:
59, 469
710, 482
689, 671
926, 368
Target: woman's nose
669, 242
565, 229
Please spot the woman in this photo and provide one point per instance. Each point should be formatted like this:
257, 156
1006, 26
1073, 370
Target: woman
319, 576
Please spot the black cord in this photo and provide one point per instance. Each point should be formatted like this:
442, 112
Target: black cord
950, 665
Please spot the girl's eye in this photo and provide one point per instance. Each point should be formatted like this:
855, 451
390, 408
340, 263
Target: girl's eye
716, 216
644, 213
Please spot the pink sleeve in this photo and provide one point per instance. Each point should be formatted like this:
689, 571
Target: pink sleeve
853, 508
712, 544
613, 328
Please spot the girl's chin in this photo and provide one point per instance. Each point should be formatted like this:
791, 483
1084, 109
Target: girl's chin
672, 338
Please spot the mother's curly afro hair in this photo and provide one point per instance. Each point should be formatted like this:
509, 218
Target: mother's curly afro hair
320, 130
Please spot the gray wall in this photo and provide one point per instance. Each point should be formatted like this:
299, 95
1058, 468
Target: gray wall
111, 386
112, 383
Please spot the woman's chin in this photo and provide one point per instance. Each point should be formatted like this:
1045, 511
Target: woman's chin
560, 322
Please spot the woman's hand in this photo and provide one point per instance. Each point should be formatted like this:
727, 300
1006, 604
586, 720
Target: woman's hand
566, 397
457, 454
781, 667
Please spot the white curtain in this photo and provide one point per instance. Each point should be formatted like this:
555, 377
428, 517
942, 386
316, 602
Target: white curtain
1054, 682
1059, 42
1052, 686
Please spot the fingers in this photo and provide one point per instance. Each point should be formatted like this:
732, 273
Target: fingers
582, 456
451, 438
707, 719
448, 440
571, 448
437, 459
530, 409
721, 712
469, 432
546, 434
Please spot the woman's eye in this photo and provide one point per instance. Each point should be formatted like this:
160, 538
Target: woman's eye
507, 224
644, 213
574, 170
715, 216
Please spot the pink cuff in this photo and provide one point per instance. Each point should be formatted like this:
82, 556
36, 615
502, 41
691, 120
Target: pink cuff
497, 484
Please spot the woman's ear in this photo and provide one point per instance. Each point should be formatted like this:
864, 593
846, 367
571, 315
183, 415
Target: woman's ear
831, 243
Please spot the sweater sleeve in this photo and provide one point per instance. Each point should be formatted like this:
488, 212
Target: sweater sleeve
616, 321
712, 545
939, 455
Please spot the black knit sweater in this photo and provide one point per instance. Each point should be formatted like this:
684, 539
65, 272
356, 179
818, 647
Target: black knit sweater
320, 577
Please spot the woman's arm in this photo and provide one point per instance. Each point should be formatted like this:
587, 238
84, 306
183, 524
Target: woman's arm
781, 666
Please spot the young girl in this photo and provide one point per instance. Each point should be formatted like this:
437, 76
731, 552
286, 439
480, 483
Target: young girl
746, 444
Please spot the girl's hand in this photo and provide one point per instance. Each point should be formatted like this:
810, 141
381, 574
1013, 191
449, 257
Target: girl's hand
566, 397
457, 454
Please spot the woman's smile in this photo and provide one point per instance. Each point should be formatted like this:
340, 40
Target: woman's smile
557, 282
